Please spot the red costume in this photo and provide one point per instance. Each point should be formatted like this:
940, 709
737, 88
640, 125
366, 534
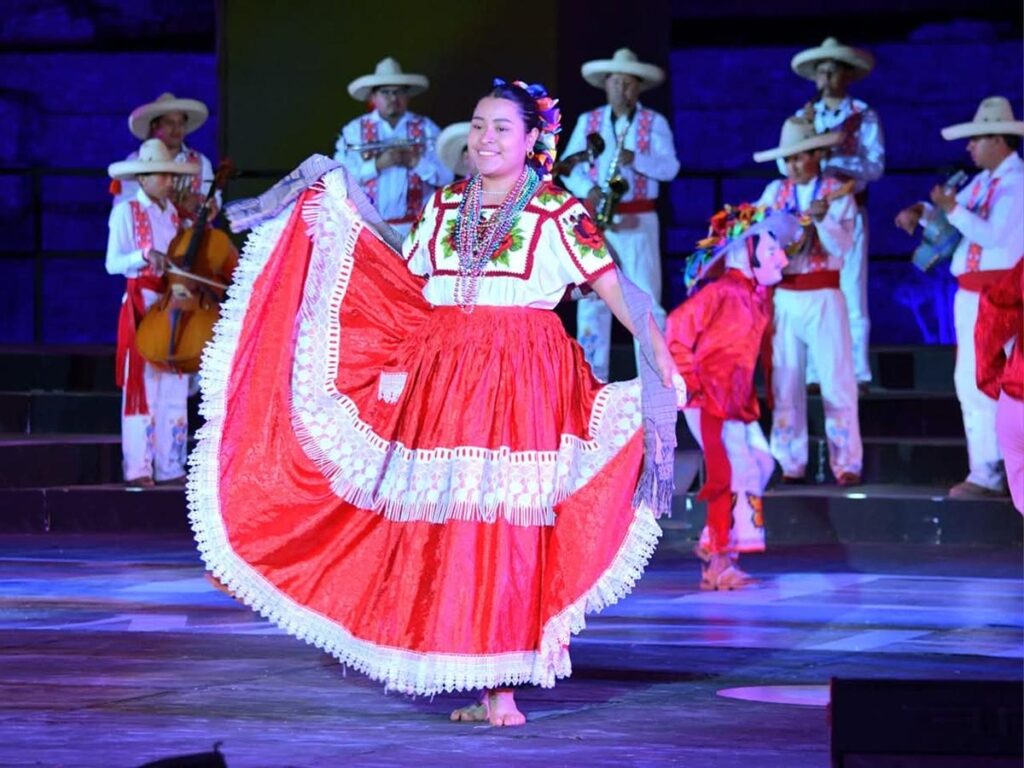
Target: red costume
1001, 376
715, 338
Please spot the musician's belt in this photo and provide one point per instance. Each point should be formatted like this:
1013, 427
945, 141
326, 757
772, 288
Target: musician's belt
811, 281
402, 220
636, 206
976, 282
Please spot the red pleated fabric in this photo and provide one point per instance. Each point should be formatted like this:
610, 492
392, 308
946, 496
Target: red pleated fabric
425, 605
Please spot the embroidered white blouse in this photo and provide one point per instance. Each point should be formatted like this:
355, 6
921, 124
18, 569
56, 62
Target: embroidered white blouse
387, 189
124, 257
648, 137
1001, 234
861, 155
835, 230
553, 244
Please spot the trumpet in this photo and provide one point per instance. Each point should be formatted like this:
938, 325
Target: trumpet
372, 148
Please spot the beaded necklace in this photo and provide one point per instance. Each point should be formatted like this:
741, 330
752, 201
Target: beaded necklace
476, 240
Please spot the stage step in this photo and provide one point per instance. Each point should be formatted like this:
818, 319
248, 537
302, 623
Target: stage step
36, 461
940, 461
916, 461
92, 508
870, 514
918, 368
64, 369
893, 413
813, 515
39, 412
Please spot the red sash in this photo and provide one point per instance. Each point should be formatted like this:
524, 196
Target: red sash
133, 307
811, 281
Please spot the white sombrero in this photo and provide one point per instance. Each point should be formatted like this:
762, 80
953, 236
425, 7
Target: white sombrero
450, 143
798, 135
831, 49
388, 72
624, 62
994, 116
154, 157
141, 117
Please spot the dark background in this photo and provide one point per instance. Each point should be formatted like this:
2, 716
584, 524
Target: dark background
274, 77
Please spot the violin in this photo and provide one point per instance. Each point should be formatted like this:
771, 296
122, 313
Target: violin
200, 262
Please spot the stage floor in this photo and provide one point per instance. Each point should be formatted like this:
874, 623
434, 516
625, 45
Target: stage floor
116, 651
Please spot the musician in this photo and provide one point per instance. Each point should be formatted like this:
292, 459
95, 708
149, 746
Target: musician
638, 141
154, 418
398, 179
170, 119
987, 212
832, 67
810, 313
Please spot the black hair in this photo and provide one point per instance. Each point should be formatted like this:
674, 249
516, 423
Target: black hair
526, 103
752, 243
1013, 141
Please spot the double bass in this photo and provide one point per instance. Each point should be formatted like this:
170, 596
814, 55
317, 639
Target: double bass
200, 261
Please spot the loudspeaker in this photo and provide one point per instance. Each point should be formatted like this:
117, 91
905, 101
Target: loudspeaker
926, 723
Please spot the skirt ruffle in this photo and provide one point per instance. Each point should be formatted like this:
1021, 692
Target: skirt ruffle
436, 498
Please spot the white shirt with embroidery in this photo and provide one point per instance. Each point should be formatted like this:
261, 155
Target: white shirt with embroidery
1001, 234
861, 155
552, 245
124, 257
130, 187
834, 231
387, 189
656, 161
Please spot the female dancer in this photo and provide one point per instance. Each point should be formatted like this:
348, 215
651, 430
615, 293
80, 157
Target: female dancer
406, 461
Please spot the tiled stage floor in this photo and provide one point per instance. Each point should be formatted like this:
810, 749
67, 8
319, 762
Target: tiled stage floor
115, 651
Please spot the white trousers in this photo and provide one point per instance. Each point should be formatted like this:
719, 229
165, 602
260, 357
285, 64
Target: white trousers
816, 322
635, 243
154, 445
1010, 432
853, 282
751, 465
979, 410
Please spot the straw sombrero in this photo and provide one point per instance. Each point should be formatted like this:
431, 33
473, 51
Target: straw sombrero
450, 143
623, 62
141, 117
388, 72
154, 157
994, 116
798, 135
831, 49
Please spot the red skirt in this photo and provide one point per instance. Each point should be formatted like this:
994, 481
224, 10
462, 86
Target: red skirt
435, 498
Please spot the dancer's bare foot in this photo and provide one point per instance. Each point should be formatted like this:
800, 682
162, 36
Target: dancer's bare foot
498, 707
472, 713
502, 709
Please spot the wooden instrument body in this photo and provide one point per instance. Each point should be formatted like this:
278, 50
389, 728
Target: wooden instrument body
175, 329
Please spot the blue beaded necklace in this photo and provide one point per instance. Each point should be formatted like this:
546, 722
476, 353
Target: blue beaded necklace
476, 240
